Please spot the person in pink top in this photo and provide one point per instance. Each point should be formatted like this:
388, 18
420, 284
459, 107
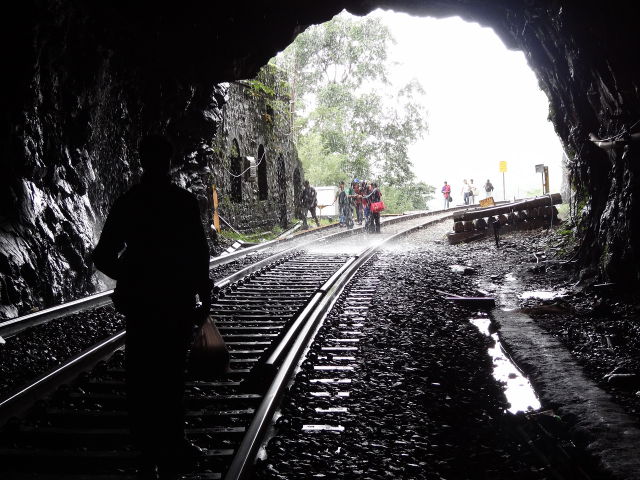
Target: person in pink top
446, 193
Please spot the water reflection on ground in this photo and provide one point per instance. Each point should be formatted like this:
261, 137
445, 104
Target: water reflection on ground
542, 294
518, 390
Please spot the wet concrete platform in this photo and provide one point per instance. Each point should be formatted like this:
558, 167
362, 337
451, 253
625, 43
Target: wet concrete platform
612, 435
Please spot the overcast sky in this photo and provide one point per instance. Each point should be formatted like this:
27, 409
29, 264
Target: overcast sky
484, 105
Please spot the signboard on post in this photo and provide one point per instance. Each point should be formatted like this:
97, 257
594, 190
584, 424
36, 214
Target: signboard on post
503, 168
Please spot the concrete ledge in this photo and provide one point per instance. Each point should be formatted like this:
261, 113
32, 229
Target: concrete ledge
611, 435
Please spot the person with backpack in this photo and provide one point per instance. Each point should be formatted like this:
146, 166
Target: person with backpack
309, 202
473, 192
488, 188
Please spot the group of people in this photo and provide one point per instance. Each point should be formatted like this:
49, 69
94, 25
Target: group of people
469, 192
358, 196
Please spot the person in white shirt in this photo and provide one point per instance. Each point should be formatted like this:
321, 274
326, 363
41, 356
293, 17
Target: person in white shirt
466, 191
473, 192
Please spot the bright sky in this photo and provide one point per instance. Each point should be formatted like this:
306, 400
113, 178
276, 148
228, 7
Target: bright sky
484, 105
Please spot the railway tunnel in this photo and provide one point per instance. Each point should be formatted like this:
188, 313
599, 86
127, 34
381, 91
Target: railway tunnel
85, 81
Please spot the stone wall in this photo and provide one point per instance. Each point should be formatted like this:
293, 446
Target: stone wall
256, 124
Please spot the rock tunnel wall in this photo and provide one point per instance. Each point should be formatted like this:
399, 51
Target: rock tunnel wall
69, 148
584, 55
85, 79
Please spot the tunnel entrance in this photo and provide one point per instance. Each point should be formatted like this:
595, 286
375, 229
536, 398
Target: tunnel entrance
94, 111
467, 109
87, 81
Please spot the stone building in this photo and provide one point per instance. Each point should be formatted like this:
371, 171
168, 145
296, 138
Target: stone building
256, 169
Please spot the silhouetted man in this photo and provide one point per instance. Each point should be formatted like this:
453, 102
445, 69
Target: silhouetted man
154, 245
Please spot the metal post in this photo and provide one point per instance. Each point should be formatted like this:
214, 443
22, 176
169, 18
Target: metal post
216, 218
545, 177
504, 190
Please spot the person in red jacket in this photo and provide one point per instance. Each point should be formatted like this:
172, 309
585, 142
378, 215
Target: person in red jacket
446, 193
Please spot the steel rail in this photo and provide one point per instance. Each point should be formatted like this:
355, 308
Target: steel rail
254, 267
18, 401
246, 453
16, 325
21, 400
320, 302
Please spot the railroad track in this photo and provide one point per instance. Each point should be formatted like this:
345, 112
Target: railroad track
267, 312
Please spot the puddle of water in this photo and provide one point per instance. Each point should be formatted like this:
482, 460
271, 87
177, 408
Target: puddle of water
541, 294
332, 410
518, 390
329, 394
322, 428
330, 380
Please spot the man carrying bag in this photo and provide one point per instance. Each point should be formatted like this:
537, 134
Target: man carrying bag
154, 245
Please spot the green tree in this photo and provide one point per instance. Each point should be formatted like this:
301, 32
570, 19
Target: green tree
344, 126
411, 196
320, 168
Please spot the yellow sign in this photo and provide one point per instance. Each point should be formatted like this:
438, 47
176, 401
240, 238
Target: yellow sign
487, 202
503, 166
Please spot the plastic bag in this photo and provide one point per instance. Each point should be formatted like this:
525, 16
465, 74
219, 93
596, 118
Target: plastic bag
209, 355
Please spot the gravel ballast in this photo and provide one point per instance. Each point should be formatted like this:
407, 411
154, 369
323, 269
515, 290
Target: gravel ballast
422, 401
